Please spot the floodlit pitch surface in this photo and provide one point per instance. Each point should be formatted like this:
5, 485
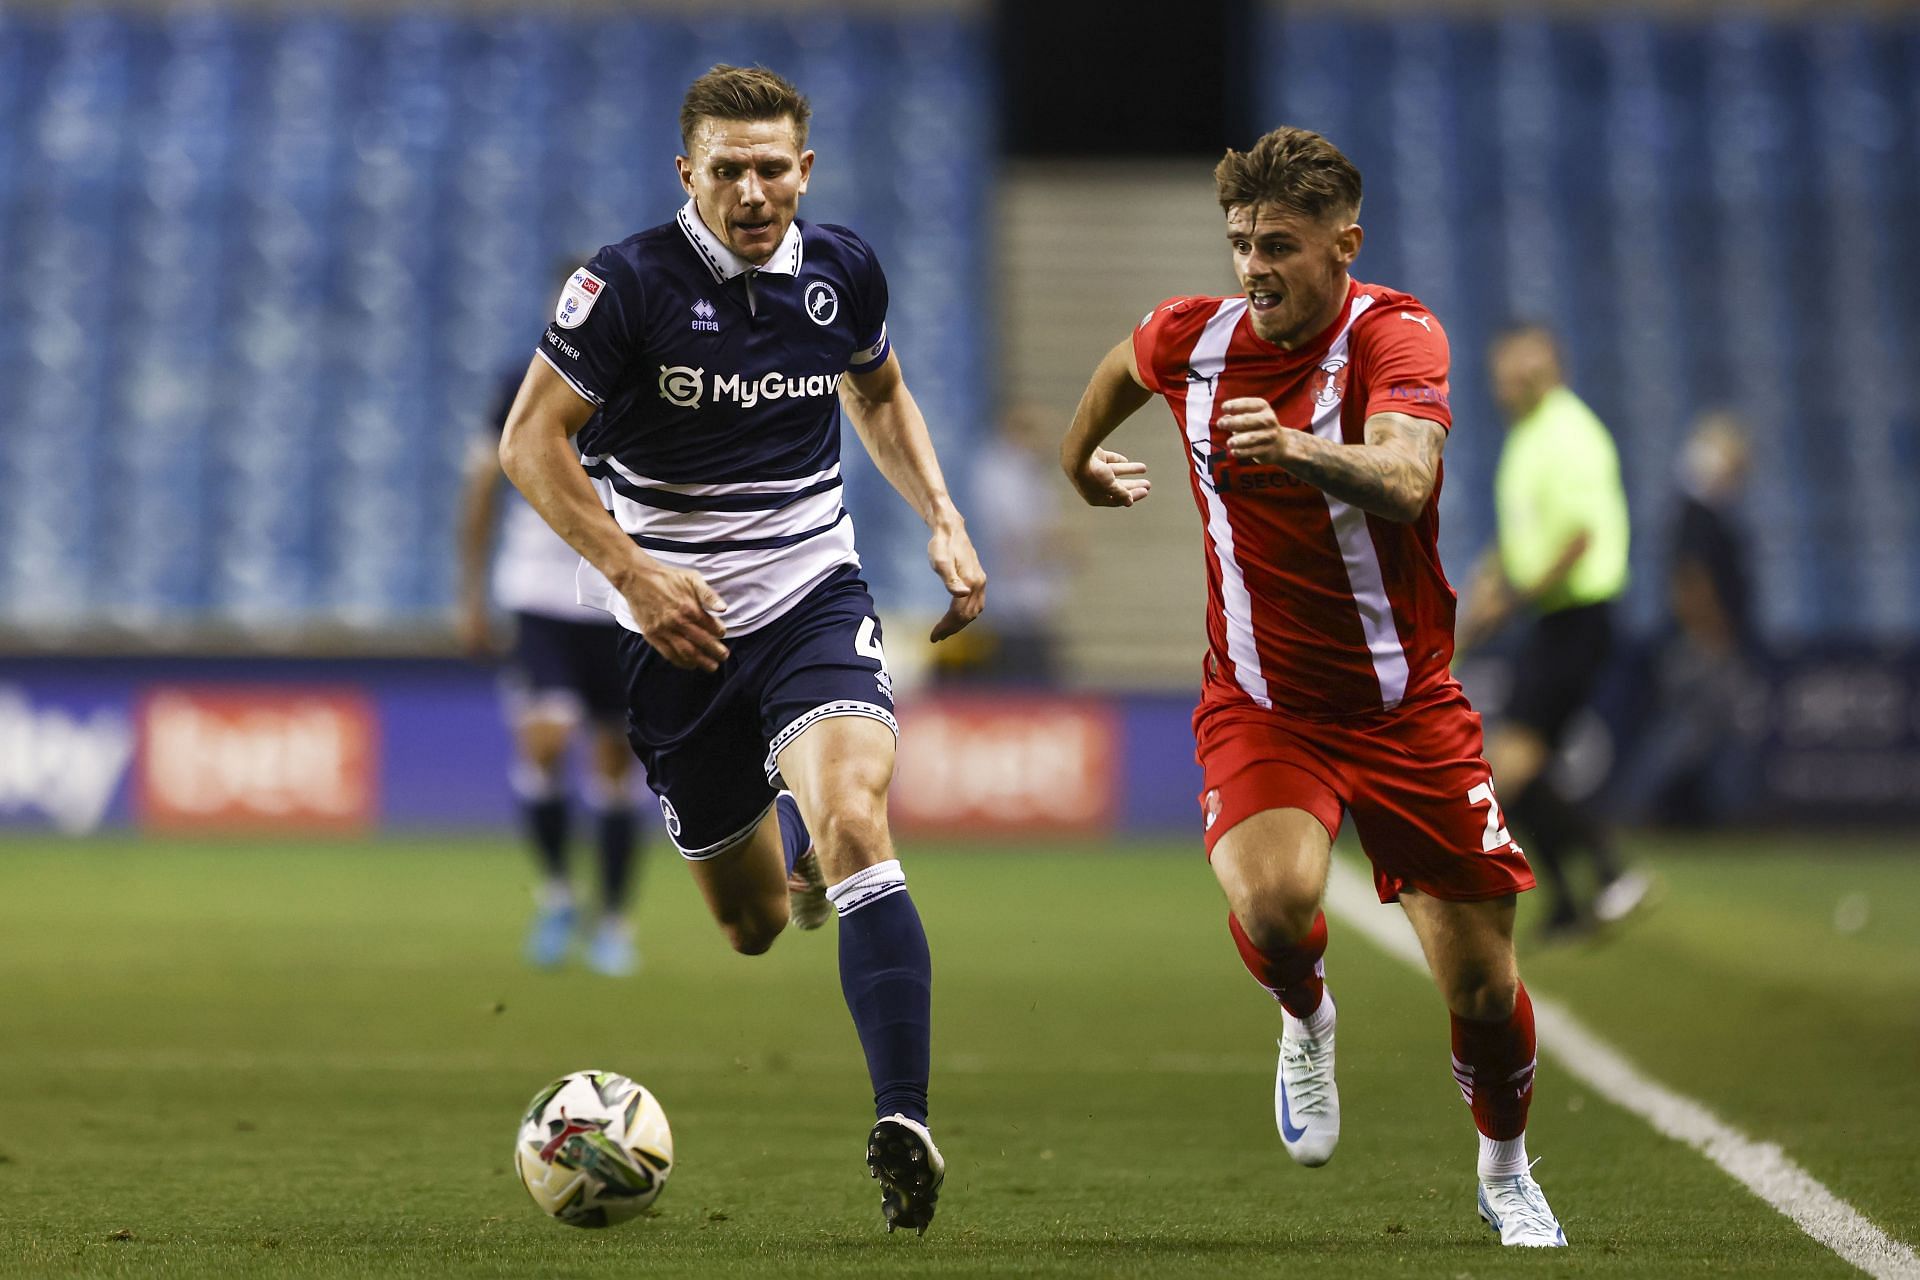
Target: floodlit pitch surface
231, 1059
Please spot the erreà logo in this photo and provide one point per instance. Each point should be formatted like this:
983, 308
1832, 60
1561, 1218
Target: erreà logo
682, 385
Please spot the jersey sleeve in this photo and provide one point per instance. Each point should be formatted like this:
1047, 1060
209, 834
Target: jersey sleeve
871, 346
1157, 351
596, 327
1405, 359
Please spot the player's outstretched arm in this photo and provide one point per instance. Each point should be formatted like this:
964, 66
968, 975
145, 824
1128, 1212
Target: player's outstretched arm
675, 607
1102, 477
1391, 475
479, 515
896, 437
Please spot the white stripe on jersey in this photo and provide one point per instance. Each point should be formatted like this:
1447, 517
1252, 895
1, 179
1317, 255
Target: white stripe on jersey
1356, 548
758, 586
758, 583
1208, 360
812, 512
703, 490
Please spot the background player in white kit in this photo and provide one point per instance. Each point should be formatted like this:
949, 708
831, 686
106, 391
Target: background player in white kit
561, 676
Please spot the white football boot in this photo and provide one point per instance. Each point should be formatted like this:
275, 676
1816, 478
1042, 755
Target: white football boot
1517, 1209
1306, 1102
901, 1154
1623, 895
807, 904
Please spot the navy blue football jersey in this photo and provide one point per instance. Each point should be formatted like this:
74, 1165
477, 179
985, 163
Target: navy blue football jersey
716, 444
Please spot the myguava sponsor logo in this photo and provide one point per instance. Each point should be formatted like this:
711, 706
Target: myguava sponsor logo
685, 387
680, 385
59, 764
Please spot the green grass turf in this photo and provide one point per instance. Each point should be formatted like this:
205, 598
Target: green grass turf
309, 1060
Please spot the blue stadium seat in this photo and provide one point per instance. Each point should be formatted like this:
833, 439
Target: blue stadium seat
1709, 213
271, 269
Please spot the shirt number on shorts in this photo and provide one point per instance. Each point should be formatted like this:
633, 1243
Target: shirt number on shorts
1496, 833
866, 642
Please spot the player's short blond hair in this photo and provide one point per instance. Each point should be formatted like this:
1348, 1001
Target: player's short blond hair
1297, 170
743, 93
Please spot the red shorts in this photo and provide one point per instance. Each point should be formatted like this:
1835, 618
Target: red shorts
1420, 792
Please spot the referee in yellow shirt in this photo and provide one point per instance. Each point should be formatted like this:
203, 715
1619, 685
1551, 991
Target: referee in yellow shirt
1562, 559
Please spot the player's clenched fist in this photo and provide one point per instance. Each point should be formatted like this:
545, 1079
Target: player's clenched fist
1254, 434
679, 613
1108, 479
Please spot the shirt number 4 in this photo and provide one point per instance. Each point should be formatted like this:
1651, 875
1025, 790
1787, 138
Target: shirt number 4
1496, 833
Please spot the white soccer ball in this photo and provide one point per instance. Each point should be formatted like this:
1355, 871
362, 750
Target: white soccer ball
594, 1149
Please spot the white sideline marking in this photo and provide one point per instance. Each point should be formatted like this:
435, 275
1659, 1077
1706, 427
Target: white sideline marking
1762, 1167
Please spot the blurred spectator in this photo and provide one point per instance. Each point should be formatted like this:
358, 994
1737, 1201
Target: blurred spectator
562, 675
1025, 545
1693, 763
1562, 559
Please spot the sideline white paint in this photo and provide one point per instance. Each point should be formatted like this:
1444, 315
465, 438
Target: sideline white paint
1762, 1167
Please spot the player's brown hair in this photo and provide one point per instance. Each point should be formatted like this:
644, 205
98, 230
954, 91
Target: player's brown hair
743, 93
1296, 169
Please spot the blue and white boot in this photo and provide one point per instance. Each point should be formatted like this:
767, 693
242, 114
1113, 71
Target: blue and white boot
551, 935
1517, 1209
1306, 1102
610, 950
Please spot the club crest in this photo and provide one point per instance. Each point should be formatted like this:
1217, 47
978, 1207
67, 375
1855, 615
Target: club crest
823, 304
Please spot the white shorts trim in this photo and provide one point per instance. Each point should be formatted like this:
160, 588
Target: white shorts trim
523, 703
825, 711
724, 845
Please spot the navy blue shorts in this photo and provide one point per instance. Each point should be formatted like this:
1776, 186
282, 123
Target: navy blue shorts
711, 741
563, 670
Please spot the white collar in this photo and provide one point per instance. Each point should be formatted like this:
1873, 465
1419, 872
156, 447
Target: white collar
724, 262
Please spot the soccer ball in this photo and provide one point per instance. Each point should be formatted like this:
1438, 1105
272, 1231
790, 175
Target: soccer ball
594, 1149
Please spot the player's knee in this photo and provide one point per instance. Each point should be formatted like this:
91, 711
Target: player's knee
544, 745
1482, 996
1277, 920
751, 940
753, 935
751, 925
854, 834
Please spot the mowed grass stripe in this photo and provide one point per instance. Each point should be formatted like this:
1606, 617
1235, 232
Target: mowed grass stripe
1763, 1168
1108, 1111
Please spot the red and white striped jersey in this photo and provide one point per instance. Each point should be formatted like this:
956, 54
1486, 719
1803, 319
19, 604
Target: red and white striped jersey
1313, 606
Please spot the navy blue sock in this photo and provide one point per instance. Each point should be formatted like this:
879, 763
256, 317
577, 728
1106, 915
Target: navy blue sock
886, 974
617, 837
793, 829
547, 822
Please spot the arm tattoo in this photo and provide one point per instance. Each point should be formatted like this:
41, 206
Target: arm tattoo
1390, 476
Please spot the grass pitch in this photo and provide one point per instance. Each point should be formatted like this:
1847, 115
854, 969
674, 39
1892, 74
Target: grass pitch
227, 1059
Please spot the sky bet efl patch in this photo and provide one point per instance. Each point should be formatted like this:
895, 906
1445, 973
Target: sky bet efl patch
577, 299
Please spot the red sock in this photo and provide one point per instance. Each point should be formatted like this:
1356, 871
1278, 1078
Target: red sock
1493, 1061
1292, 974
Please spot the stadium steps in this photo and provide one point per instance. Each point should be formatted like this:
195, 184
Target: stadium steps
1086, 250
